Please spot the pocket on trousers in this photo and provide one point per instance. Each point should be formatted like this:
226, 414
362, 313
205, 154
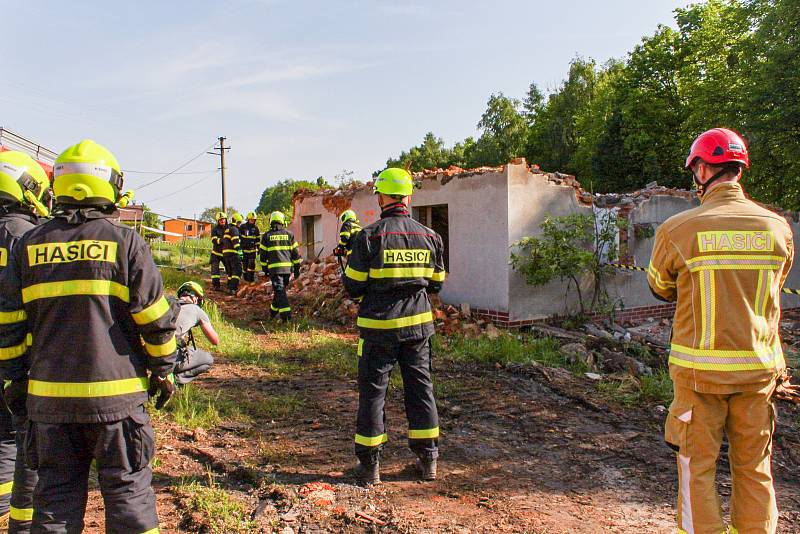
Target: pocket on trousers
29, 446
140, 440
676, 429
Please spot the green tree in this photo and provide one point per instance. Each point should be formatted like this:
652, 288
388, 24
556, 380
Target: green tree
208, 214
278, 197
504, 131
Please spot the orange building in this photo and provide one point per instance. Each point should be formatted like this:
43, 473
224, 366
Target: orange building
188, 228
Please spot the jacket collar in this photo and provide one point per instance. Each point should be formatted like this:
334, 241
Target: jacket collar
81, 214
395, 210
19, 213
723, 193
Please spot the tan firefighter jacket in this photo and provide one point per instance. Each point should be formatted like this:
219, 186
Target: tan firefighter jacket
724, 263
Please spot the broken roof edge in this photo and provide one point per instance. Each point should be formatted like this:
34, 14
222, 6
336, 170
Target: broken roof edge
584, 198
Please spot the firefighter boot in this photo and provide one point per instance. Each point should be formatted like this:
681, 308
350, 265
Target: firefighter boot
426, 469
368, 474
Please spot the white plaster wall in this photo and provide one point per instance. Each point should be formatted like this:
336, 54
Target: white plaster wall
477, 222
530, 199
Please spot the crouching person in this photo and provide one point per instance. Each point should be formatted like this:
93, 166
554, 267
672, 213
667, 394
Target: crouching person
192, 362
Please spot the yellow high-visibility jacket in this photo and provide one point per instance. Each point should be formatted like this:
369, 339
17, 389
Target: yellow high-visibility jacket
724, 263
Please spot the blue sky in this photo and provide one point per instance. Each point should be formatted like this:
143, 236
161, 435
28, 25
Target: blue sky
300, 88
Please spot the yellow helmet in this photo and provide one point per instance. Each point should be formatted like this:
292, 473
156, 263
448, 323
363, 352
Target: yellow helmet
348, 215
394, 182
220, 215
277, 217
23, 181
251, 216
237, 217
87, 174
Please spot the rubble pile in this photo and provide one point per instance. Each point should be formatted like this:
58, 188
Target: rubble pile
318, 292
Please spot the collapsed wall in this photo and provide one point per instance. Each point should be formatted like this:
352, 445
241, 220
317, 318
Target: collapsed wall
489, 209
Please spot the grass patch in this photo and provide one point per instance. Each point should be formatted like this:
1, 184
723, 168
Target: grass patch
630, 391
506, 349
173, 278
192, 407
275, 406
222, 512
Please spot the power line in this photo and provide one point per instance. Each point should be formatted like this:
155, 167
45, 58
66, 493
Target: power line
128, 171
178, 168
178, 191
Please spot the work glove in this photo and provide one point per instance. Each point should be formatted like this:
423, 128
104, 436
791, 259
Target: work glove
161, 389
296, 272
16, 396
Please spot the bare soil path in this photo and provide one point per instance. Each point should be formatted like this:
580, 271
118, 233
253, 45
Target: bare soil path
523, 449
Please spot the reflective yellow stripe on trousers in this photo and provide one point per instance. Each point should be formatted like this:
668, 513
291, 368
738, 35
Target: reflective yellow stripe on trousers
21, 514
371, 441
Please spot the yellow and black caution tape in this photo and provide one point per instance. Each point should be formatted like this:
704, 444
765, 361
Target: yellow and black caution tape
644, 269
628, 267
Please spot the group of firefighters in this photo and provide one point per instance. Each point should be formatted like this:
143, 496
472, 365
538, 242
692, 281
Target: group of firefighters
87, 335
236, 244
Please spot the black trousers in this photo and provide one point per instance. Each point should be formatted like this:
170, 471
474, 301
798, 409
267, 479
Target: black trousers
280, 300
191, 364
215, 270
375, 365
233, 268
249, 267
8, 455
25, 480
63, 454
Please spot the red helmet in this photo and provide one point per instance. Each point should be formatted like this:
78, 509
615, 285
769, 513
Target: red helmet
718, 146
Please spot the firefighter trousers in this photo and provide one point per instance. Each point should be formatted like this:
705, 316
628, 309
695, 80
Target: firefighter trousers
191, 364
233, 268
280, 300
375, 364
215, 270
63, 454
249, 267
694, 428
24, 484
8, 454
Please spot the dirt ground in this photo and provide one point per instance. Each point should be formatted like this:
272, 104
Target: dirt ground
523, 449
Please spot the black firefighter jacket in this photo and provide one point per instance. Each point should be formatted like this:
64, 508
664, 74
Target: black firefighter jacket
13, 225
250, 235
279, 251
83, 315
395, 262
224, 240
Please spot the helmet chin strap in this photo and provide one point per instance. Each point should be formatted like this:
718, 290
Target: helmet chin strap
703, 188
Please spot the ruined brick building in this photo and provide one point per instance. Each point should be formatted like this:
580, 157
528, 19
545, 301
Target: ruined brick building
480, 213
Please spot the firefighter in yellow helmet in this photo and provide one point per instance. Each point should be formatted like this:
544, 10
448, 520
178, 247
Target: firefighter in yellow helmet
250, 235
24, 195
279, 258
347, 233
225, 243
724, 264
396, 262
86, 335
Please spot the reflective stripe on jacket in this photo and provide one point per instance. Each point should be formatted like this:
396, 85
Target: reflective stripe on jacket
395, 262
348, 233
82, 311
279, 252
724, 263
250, 235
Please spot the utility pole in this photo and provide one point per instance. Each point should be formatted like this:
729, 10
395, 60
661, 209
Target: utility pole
222, 148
